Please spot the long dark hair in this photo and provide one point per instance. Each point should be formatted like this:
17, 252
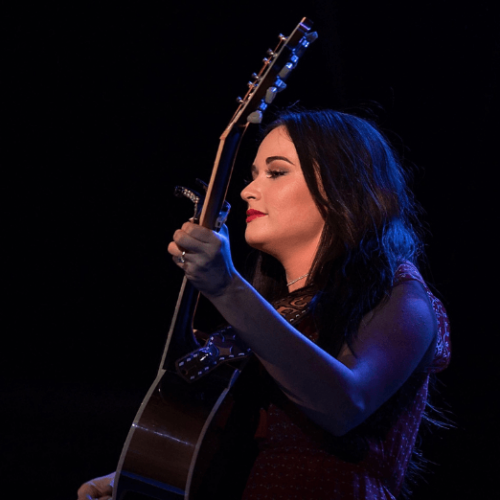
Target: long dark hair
361, 190
371, 226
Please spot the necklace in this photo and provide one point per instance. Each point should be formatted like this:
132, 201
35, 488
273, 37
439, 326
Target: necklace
298, 279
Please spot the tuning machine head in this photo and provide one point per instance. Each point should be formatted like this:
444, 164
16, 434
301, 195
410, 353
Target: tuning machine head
277, 67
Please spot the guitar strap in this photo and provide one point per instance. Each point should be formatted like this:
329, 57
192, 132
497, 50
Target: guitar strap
224, 346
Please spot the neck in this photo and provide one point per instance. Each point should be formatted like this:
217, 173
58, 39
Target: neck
297, 263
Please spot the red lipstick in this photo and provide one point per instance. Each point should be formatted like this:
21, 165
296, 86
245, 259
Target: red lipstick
253, 214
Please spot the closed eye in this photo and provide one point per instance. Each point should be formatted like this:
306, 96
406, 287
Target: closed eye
274, 174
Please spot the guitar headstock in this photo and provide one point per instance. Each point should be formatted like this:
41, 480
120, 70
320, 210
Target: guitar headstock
272, 77
270, 80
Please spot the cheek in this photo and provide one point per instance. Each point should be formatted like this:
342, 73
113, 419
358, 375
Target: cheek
307, 215
298, 215
304, 206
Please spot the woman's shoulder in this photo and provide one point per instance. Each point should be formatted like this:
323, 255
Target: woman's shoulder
408, 273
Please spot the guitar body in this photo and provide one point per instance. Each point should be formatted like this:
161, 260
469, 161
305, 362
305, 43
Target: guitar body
192, 437
191, 440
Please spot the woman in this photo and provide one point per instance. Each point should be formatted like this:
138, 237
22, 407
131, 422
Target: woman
330, 214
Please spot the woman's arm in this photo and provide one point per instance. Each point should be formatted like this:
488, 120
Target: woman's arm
337, 394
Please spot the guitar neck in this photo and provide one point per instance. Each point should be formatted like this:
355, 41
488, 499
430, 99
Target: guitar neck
221, 175
180, 337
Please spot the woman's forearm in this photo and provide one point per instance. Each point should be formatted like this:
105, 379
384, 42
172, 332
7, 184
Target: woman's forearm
322, 386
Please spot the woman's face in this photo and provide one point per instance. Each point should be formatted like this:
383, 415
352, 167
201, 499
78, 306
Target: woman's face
282, 216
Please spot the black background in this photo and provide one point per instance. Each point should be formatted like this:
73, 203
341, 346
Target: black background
109, 109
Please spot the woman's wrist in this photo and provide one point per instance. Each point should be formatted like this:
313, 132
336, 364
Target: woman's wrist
234, 285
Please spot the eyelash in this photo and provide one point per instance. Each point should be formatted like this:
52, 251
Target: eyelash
274, 174
270, 174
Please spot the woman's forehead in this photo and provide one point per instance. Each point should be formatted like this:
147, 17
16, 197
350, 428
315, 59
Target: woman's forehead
277, 144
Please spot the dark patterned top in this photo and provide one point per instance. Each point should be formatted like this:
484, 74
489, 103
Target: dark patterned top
299, 460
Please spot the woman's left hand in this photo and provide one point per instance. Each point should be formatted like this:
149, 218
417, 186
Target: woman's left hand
207, 257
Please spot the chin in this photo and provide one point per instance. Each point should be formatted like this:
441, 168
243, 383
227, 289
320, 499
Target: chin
254, 242
262, 245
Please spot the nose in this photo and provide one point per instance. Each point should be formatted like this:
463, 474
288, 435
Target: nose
250, 192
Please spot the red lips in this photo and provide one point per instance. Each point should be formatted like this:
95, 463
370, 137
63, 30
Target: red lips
253, 214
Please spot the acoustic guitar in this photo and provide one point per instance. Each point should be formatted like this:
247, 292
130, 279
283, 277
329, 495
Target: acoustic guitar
191, 438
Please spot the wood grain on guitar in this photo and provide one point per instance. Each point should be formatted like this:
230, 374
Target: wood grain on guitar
192, 439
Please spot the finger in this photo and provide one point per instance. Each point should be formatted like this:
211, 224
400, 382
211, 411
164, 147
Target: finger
174, 249
185, 241
86, 492
181, 259
198, 232
178, 253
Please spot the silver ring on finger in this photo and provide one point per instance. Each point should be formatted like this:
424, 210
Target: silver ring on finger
181, 257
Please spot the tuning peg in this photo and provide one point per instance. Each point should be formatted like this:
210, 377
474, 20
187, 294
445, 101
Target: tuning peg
305, 42
255, 117
311, 37
282, 37
239, 100
270, 94
270, 53
255, 76
280, 84
285, 70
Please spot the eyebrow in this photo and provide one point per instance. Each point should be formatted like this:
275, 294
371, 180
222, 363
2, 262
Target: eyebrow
269, 160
